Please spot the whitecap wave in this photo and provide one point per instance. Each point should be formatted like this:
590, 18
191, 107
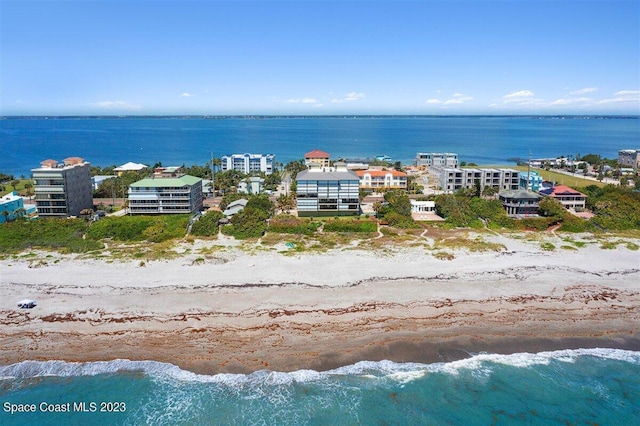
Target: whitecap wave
374, 370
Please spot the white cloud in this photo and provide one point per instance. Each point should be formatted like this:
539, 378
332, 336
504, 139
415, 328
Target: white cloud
350, 97
455, 99
623, 97
628, 93
571, 101
302, 101
584, 91
354, 96
187, 95
522, 94
115, 105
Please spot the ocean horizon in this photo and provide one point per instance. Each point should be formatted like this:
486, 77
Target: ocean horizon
176, 140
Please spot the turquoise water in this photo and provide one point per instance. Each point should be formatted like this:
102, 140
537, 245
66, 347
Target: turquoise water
176, 141
586, 387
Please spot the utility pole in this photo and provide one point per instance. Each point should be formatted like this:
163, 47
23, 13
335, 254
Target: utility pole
528, 187
213, 178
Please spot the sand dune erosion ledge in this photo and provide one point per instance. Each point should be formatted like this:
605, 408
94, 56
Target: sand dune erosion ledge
269, 311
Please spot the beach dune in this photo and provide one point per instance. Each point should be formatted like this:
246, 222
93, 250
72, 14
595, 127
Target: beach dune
238, 312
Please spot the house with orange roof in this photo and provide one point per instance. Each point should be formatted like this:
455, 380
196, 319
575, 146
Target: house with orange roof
382, 179
318, 157
568, 197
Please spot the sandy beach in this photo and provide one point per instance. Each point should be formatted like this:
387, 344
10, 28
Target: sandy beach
240, 312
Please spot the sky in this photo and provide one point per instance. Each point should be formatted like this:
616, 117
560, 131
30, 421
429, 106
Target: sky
133, 57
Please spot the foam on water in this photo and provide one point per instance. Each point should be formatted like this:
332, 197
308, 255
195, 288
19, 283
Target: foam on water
385, 369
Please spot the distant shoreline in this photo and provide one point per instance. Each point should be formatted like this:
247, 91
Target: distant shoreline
345, 116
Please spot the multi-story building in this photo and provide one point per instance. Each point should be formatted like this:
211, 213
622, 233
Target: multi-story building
11, 205
317, 157
437, 159
629, 158
568, 197
327, 191
166, 195
531, 181
382, 179
63, 190
453, 179
520, 203
248, 163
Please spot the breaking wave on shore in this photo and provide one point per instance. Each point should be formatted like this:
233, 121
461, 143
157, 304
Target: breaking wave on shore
593, 385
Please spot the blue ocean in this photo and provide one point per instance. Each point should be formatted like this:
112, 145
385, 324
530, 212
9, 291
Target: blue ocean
192, 140
569, 387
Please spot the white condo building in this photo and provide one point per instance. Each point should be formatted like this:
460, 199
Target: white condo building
248, 163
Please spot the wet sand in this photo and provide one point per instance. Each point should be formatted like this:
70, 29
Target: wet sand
243, 313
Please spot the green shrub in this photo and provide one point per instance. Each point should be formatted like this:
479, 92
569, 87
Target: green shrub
287, 224
350, 225
207, 225
140, 228
60, 234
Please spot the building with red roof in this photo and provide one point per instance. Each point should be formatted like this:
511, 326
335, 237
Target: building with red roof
318, 157
382, 179
568, 197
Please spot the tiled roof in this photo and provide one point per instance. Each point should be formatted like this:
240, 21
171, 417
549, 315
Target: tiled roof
560, 190
316, 153
380, 173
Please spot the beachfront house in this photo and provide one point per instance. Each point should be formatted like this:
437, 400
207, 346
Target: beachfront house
520, 203
63, 189
235, 207
376, 180
568, 197
327, 191
419, 206
166, 195
317, 157
248, 163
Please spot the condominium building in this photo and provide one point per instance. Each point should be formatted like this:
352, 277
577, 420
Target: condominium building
165, 195
531, 181
453, 179
63, 190
317, 157
248, 163
436, 159
382, 179
328, 191
629, 158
